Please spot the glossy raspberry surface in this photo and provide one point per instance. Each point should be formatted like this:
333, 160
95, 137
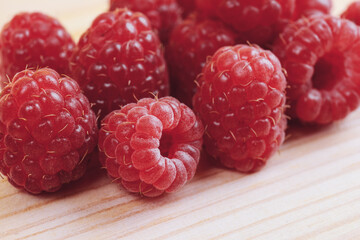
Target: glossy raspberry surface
352, 13
47, 128
151, 147
191, 43
119, 59
321, 57
240, 100
256, 21
306, 8
163, 14
34, 40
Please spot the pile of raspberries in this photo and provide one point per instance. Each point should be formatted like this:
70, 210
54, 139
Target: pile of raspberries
152, 85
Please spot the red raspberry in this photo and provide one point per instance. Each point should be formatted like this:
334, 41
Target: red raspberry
188, 6
352, 13
151, 147
306, 8
163, 14
191, 43
34, 40
321, 56
241, 99
46, 130
118, 59
257, 21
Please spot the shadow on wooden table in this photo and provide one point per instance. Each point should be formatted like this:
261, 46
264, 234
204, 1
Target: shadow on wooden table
297, 130
96, 177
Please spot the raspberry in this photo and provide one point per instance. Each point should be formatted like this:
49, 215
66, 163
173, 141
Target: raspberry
151, 147
257, 21
306, 8
46, 130
163, 14
118, 59
190, 44
188, 6
34, 40
321, 57
240, 100
352, 13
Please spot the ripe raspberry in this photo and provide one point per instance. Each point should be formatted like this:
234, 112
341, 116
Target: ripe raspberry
241, 100
34, 40
257, 21
190, 44
321, 57
119, 58
188, 6
46, 130
352, 13
163, 14
151, 147
307, 8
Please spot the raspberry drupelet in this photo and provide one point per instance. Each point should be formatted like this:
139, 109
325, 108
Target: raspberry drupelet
47, 129
190, 44
34, 40
163, 14
322, 57
307, 8
118, 59
152, 146
256, 21
188, 6
240, 99
352, 13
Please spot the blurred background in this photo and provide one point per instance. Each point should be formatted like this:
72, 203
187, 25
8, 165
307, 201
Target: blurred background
76, 15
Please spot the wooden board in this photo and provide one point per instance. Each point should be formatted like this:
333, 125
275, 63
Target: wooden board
310, 190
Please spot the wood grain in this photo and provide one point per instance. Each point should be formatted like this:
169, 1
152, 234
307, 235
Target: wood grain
310, 190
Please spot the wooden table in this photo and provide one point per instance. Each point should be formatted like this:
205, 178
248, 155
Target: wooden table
310, 190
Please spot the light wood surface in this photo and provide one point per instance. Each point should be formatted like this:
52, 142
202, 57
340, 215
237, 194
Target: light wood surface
310, 190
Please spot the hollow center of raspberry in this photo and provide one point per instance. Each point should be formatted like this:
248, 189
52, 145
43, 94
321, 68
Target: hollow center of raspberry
329, 71
166, 142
